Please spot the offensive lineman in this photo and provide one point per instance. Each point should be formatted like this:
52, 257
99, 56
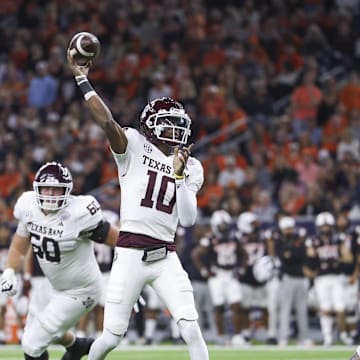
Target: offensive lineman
59, 227
159, 181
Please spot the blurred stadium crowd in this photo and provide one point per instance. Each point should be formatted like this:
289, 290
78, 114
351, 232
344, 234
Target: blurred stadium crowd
273, 88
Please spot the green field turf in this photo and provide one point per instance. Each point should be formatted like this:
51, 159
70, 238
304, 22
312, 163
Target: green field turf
216, 353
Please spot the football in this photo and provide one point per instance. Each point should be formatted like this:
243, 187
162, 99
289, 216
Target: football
84, 48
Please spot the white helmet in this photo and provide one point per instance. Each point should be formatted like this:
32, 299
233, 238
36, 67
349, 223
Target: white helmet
286, 222
265, 268
220, 221
53, 174
246, 221
324, 218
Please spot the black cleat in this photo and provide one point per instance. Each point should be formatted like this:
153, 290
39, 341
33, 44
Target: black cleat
148, 341
43, 356
271, 341
80, 348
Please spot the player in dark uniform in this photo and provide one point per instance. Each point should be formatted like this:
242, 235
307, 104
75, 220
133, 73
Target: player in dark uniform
225, 255
325, 258
254, 290
199, 283
355, 236
349, 238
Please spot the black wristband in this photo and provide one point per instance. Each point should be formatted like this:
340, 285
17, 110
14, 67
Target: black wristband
85, 87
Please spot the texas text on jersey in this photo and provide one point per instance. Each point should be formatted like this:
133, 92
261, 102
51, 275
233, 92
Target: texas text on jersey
148, 192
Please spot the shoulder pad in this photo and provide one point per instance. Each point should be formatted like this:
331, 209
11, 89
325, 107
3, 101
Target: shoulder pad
193, 162
194, 172
134, 137
132, 132
22, 204
85, 210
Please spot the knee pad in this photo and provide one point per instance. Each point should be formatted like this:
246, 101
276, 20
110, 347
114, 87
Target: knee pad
116, 321
31, 349
36, 339
190, 331
110, 340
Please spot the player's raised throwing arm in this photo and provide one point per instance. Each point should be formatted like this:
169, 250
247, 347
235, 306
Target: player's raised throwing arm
99, 110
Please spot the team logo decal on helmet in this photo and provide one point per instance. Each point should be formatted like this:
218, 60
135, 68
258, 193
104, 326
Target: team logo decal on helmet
165, 121
53, 174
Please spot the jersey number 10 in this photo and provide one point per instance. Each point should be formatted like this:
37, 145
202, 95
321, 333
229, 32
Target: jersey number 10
147, 200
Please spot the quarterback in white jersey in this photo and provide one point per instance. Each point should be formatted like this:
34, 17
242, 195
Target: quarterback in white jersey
59, 227
148, 192
159, 181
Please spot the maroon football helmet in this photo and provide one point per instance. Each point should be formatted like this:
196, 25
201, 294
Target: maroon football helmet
165, 121
53, 174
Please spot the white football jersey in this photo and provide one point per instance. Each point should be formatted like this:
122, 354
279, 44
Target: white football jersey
65, 255
148, 188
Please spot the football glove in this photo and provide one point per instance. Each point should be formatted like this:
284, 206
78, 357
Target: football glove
8, 282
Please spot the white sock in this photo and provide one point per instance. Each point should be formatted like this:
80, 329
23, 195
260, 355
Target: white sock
80, 333
326, 323
2, 335
103, 345
150, 325
191, 333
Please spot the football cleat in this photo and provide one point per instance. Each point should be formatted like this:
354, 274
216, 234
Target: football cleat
80, 348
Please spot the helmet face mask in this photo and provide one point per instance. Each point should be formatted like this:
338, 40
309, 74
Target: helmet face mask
165, 121
52, 176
